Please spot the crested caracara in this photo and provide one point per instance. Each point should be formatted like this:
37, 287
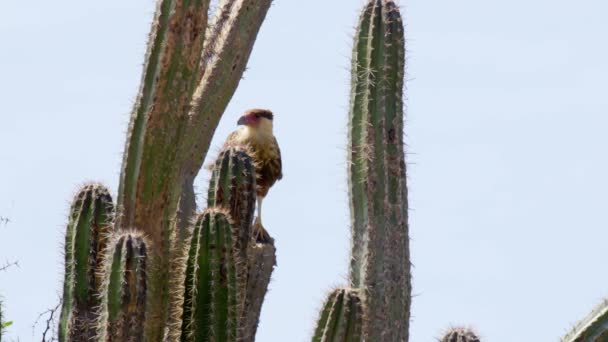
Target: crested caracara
255, 135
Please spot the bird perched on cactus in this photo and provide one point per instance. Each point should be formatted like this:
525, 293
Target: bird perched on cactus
256, 136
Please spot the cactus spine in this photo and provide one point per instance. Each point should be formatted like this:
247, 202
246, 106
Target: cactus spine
215, 281
460, 335
341, 318
122, 312
90, 224
377, 178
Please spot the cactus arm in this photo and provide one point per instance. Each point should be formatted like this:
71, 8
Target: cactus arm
170, 74
212, 304
341, 318
122, 312
232, 187
594, 327
90, 223
377, 180
324, 317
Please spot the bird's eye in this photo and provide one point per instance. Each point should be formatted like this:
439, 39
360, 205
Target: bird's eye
257, 116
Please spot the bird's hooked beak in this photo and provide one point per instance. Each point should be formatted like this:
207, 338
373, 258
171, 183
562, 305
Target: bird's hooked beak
246, 120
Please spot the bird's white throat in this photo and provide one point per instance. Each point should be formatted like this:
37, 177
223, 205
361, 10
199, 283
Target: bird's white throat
262, 132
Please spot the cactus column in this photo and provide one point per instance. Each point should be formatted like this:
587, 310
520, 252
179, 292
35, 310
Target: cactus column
122, 313
215, 281
90, 224
377, 180
341, 318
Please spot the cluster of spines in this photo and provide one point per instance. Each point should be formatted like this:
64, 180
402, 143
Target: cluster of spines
122, 313
377, 177
90, 224
460, 334
215, 281
341, 319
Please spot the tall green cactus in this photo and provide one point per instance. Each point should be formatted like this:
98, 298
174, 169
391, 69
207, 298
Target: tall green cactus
341, 319
377, 179
122, 313
90, 224
215, 281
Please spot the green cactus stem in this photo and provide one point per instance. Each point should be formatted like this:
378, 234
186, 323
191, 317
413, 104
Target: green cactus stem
122, 314
341, 319
459, 334
232, 187
215, 281
377, 176
90, 224
592, 328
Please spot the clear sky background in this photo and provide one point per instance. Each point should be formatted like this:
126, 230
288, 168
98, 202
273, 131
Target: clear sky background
506, 124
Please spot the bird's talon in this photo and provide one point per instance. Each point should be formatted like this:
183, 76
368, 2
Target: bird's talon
260, 235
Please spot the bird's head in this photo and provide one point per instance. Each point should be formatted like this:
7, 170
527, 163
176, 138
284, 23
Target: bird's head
257, 119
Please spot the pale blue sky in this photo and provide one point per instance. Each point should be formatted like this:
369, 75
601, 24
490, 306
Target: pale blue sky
506, 124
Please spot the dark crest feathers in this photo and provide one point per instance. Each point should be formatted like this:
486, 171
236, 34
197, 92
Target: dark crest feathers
265, 113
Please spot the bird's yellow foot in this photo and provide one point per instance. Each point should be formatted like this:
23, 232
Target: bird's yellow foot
260, 234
